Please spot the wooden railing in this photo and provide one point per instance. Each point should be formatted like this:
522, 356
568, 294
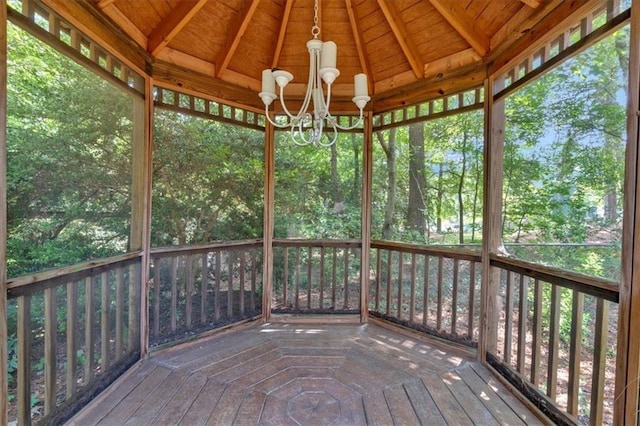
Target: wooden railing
316, 276
553, 341
432, 289
199, 288
75, 330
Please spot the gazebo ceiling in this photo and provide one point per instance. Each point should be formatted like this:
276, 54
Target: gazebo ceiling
399, 44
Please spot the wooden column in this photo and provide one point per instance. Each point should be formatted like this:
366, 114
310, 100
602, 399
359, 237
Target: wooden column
367, 176
267, 245
491, 236
3, 212
628, 353
141, 197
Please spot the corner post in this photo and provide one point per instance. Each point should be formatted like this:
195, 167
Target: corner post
4, 380
267, 245
367, 176
492, 201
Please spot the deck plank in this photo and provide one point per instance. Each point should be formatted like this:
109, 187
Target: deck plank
423, 404
376, 409
250, 409
227, 406
400, 406
487, 396
183, 399
127, 406
201, 408
468, 400
448, 405
157, 400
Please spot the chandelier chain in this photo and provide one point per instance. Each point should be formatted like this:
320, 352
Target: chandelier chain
315, 30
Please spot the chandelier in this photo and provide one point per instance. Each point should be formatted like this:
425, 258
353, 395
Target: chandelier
308, 128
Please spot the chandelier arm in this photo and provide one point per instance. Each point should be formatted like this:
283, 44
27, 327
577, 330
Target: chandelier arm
356, 124
298, 136
332, 141
279, 126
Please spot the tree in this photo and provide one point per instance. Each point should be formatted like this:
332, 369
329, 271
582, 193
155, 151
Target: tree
416, 206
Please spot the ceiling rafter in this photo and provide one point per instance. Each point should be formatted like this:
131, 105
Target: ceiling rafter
284, 22
236, 31
390, 13
111, 10
172, 24
534, 4
357, 36
104, 3
458, 18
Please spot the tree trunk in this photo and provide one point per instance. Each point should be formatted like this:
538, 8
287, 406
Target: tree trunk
416, 206
337, 196
439, 197
463, 170
389, 149
357, 180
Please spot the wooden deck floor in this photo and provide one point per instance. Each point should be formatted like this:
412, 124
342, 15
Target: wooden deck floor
304, 374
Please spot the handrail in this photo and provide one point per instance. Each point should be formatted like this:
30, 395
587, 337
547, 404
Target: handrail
431, 250
298, 242
587, 284
63, 273
202, 248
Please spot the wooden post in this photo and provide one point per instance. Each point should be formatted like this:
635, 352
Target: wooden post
141, 198
367, 176
4, 380
492, 201
625, 410
267, 245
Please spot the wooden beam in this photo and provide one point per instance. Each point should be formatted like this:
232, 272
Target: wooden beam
357, 37
454, 14
451, 62
269, 214
625, 409
4, 379
534, 4
172, 24
235, 34
284, 21
367, 179
105, 3
390, 13
185, 60
125, 23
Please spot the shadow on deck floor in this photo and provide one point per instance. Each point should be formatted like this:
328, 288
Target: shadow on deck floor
308, 374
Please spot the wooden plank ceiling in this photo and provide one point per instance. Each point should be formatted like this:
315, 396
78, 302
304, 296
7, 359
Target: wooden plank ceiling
397, 43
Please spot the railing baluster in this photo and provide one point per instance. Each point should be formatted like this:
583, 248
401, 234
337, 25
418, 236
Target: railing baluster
599, 361
413, 288
425, 301
230, 285
334, 278
285, 277
297, 300
188, 290
157, 283
575, 348
378, 269
472, 297
440, 294
309, 272
242, 266
400, 279
50, 331
537, 333
24, 360
346, 278
522, 323
321, 303
254, 257
204, 280
554, 340
89, 321
508, 320
216, 291
454, 298
104, 321
72, 325
174, 293
120, 310
389, 259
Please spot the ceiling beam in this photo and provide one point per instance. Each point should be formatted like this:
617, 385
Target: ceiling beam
451, 63
235, 33
534, 4
390, 12
357, 37
284, 21
112, 11
172, 24
457, 17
